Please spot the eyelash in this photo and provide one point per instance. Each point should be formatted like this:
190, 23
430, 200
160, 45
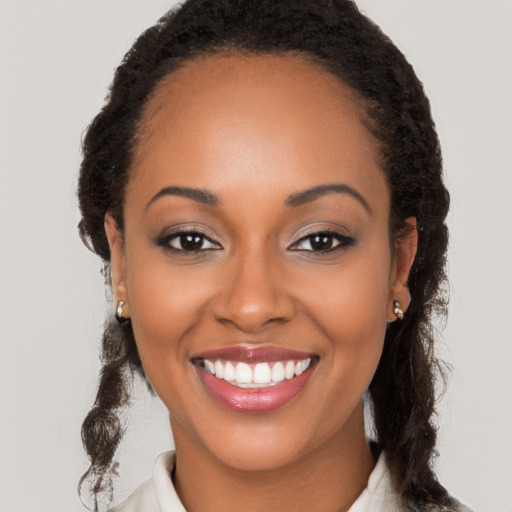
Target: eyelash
344, 242
166, 240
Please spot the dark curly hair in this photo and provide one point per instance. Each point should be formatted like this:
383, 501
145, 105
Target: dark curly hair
335, 35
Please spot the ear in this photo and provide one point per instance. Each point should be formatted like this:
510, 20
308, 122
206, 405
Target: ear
406, 245
117, 263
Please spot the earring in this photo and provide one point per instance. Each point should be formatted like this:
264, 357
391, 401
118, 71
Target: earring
119, 312
396, 309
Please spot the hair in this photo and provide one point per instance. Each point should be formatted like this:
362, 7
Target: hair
350, 46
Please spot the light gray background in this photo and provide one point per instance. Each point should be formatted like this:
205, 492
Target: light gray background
56, 59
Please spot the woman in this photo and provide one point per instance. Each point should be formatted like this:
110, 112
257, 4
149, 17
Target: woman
264, 186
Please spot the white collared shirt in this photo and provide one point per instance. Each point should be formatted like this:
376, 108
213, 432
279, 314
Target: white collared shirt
159, 495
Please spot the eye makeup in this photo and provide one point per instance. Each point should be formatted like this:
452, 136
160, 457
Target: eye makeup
323, 241
187, 240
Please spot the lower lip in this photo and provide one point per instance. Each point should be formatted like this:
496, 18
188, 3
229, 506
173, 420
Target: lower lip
254, 400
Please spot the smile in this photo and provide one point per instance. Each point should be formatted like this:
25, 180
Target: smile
258, 375
254, 380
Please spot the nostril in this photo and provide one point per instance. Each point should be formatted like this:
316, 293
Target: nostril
249, 317
253, 296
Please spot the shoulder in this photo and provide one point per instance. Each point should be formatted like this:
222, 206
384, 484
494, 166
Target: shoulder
158, 493
142, 499
380, 495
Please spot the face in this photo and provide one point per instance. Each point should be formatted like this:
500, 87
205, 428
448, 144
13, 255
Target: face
256, 262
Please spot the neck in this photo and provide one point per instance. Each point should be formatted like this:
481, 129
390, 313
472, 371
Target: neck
328, 478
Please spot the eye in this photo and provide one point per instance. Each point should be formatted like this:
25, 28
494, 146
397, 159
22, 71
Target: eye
188, 241
322, 241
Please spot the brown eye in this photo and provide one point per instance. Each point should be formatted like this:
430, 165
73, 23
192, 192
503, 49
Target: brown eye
188, 241
323, 242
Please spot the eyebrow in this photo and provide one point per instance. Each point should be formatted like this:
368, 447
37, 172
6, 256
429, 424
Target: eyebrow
293, 200
196, 194
313, 193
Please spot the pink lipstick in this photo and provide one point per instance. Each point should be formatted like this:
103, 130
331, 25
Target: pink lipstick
255, 380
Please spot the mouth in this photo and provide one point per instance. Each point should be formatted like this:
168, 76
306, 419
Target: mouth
258, 375
254, 380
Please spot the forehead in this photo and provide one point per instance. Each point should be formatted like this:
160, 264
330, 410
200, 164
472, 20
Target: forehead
211, 78
262, 118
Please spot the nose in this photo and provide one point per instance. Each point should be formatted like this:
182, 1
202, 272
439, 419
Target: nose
253, 296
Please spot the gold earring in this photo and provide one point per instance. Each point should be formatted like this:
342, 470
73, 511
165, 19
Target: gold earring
119, 312
396, 309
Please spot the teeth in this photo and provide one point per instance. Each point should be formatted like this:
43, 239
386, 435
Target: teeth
229, 372
260, 375
278, 372
219, 370
243, 373
289, 371
209, 366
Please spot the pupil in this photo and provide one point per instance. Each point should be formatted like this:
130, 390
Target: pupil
321, 242
191, 242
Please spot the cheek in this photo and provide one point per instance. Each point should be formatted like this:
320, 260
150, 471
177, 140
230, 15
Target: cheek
352, 302
165, 306
351, 310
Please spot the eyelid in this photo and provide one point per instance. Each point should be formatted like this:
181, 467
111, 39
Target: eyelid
345, 240
164, 239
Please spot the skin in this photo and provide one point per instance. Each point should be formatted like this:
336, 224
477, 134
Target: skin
254, 130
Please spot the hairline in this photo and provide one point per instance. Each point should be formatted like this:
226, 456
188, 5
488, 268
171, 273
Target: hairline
166, 74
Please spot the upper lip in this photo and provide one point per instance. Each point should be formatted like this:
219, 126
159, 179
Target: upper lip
248, 354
